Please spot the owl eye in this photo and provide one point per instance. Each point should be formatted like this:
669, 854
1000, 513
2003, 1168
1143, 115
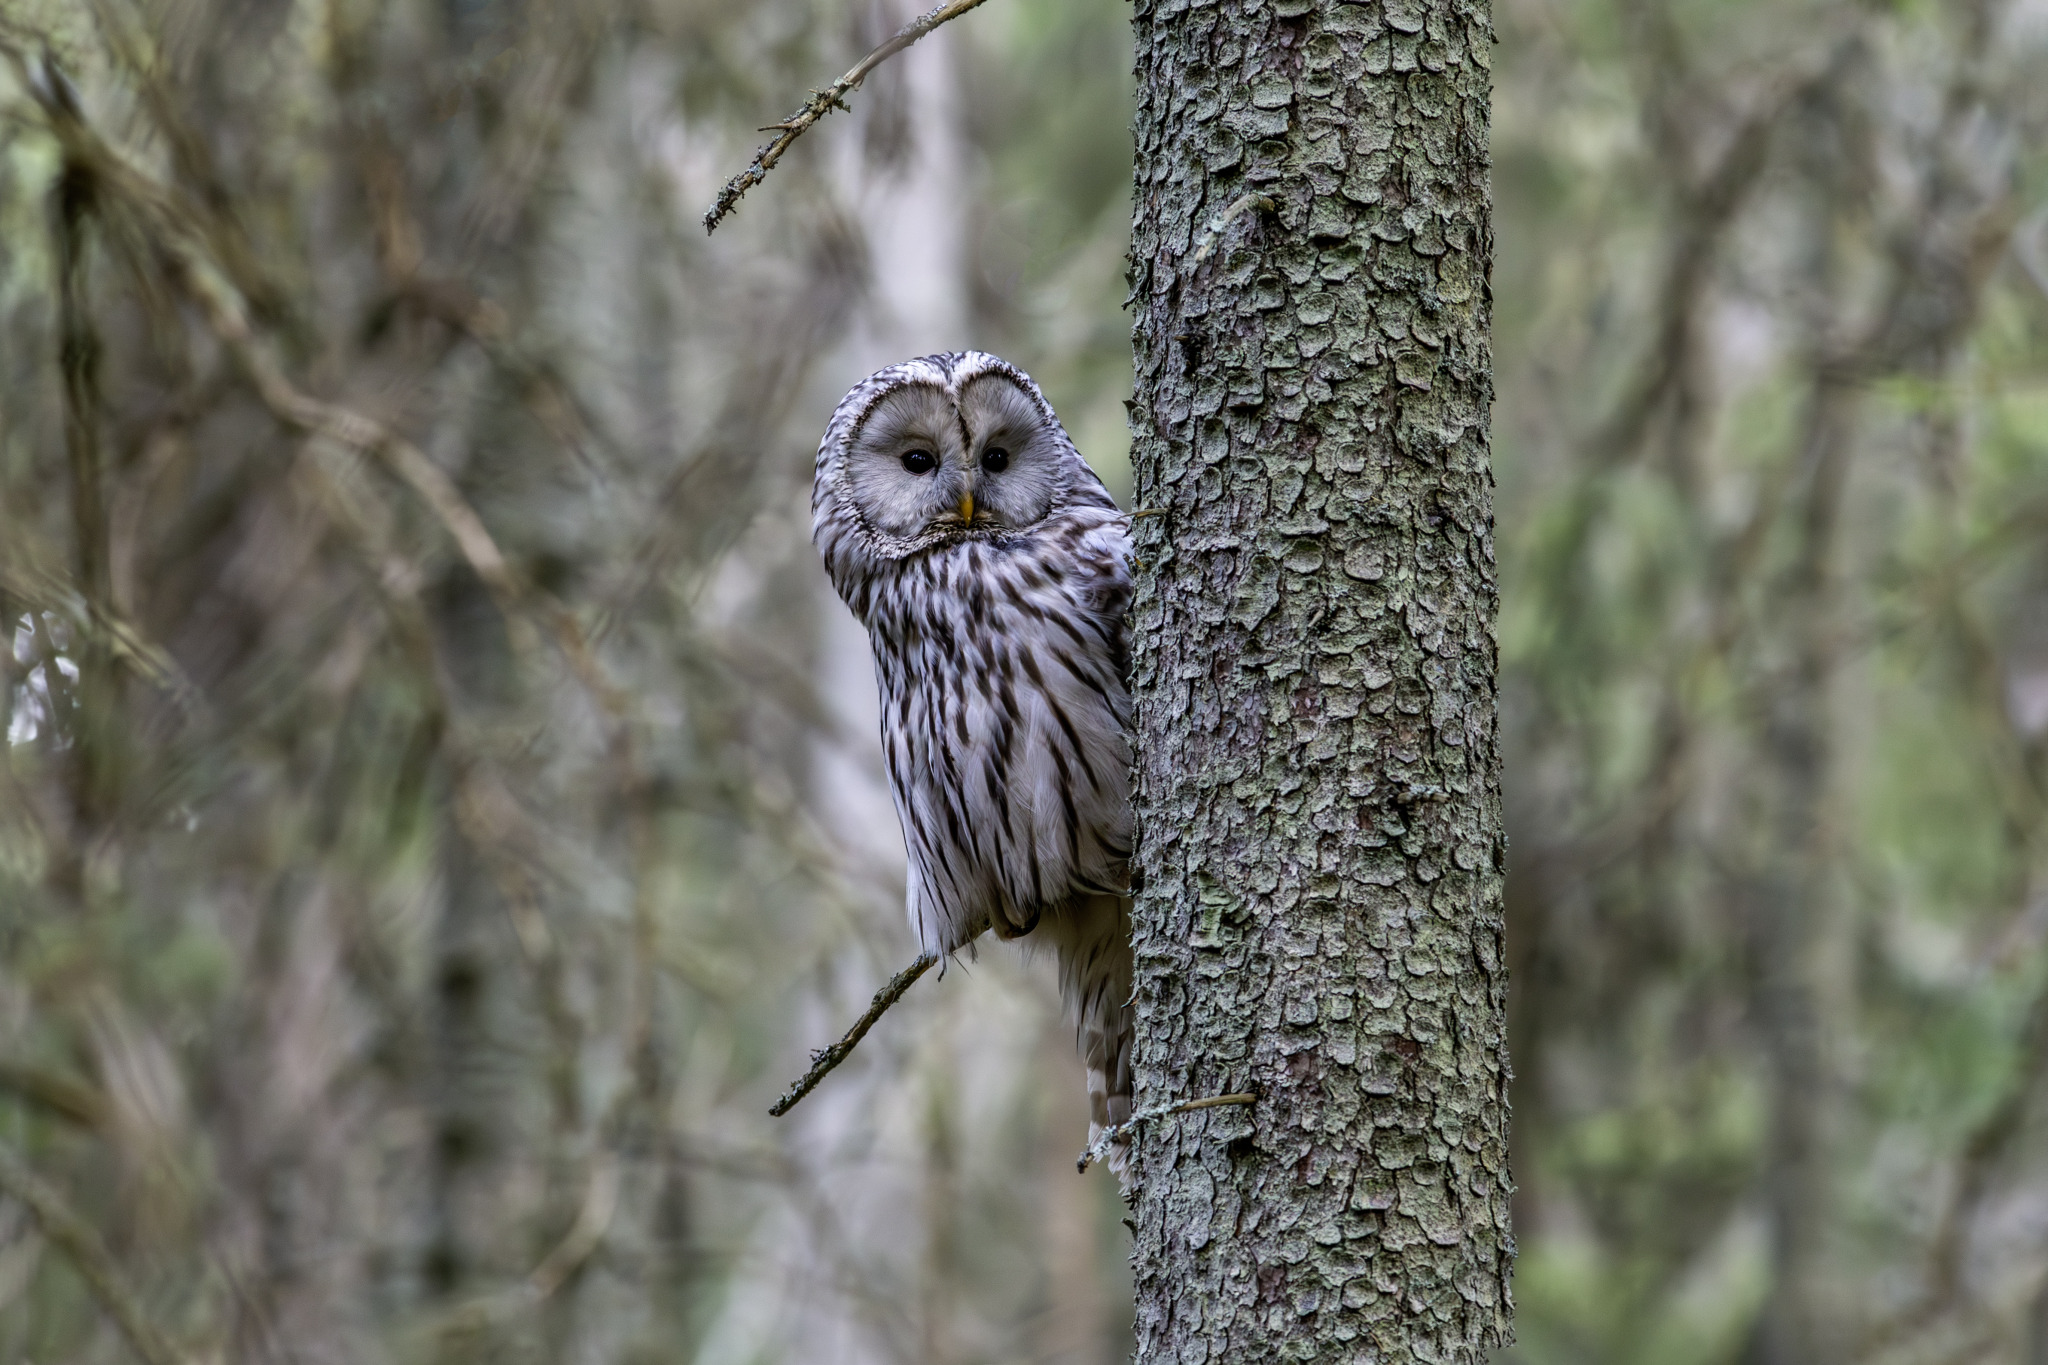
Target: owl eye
995, 459
920, 461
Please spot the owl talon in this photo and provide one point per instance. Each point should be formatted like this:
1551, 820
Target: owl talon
1007, 929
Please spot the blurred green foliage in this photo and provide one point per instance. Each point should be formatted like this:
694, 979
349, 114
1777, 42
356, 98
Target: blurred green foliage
1770, 324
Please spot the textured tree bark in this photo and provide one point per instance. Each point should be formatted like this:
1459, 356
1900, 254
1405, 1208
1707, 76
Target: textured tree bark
1322, 848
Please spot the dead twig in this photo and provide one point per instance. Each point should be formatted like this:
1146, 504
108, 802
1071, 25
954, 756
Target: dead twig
1110, 1137
229, 316
823, 1062
124, 640
823, 102
81, 1244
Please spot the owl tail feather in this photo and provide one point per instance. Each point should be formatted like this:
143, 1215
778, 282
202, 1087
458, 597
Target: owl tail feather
1092, 939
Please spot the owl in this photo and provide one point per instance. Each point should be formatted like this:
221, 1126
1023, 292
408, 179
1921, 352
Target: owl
992, 571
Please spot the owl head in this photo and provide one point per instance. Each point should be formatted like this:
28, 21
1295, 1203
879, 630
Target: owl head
941, 449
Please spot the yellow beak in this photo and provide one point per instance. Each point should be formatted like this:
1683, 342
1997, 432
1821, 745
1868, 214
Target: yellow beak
967, 509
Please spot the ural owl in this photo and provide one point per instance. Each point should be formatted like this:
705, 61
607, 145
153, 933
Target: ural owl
991, 569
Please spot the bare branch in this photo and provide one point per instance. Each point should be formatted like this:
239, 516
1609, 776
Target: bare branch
1110, 1137
78, 360
823, 102
59, 1094
123, 638
823, 1062
81, 1244
593, 1219
228, 314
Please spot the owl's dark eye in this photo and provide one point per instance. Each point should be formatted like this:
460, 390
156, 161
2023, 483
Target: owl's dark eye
995, 459
920, 461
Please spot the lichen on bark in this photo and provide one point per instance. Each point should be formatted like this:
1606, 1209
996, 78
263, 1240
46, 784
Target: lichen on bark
1318, 780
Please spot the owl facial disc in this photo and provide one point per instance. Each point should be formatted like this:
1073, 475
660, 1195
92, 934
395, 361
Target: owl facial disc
945, 448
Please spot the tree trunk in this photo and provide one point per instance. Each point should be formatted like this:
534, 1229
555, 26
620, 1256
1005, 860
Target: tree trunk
1318, 785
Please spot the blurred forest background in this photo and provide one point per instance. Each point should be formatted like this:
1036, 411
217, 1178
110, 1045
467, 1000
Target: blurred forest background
440, 804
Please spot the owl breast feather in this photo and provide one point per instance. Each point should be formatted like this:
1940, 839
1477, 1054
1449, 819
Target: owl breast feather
1002, 668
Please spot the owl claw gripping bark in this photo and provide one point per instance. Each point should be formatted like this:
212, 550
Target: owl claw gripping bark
992, 571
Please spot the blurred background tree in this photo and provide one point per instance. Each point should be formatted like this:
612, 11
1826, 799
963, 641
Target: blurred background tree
440, 805
1770, 415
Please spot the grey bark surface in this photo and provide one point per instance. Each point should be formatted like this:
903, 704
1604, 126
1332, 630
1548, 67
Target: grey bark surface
1321, 849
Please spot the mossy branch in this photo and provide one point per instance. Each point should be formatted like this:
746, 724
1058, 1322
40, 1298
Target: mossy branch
80, 1244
